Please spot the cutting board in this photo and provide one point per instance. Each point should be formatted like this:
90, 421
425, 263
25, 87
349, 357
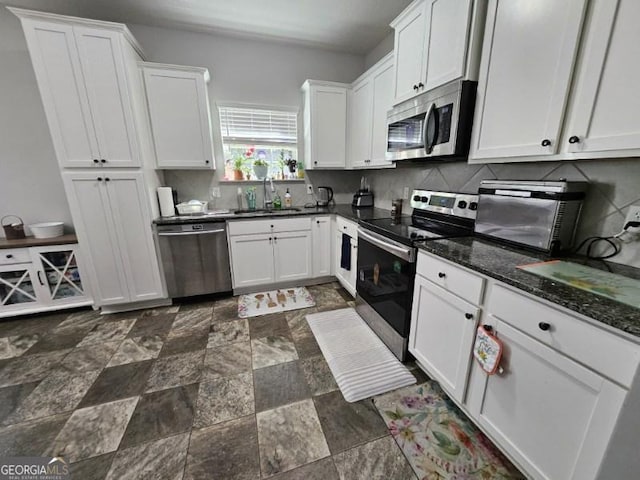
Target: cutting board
616, 287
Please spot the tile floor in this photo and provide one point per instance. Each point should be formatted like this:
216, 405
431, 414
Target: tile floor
188, 391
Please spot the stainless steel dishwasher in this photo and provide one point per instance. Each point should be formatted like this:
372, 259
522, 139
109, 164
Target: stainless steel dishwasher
195, 258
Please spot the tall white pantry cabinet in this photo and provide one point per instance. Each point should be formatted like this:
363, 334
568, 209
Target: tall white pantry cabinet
92, 90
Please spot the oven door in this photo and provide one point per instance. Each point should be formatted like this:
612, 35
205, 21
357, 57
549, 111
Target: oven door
385, 276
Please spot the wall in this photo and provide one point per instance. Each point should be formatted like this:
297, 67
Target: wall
380, 50
253, 72
614, 187
30, 182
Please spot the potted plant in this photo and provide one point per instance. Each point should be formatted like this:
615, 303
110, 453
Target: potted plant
246, 169
291, 163
260, 168
281, 164
238, 165
301, 170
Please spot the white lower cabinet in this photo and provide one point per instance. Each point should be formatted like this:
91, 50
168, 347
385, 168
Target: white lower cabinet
47, 278
347, 278
114, 227
292, 256
446, 355
322, 240
252, 257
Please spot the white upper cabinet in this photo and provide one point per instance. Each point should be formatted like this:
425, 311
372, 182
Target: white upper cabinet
527, 62
82, 79
604, 117
382, 79
325, 124
178, 106
409, 36
435, 43
360, 123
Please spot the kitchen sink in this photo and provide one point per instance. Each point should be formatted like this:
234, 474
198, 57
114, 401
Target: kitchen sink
267, 211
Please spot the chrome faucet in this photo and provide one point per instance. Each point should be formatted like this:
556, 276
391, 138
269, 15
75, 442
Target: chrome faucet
268, 202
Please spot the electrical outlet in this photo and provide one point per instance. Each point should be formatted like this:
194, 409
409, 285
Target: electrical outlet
215, 192
405, 193
633, 215
309, 189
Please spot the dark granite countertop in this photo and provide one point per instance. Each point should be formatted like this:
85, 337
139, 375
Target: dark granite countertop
499, 262
344, 210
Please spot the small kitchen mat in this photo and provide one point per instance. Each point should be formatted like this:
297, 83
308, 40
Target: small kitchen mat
361, 363
616, 287
438, 439
274, 301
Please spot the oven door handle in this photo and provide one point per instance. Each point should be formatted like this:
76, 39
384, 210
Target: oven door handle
406, 253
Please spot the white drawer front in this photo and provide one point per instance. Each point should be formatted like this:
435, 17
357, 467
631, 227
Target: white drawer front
10, 256
604, 352
291, 224
347, 226
268, 225
451, 277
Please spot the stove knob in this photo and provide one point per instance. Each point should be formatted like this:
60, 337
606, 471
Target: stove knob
420, 237
462, 204
473, 206
416, 198
413, 235
424, 199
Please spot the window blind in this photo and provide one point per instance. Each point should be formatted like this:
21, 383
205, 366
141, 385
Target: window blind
253, 125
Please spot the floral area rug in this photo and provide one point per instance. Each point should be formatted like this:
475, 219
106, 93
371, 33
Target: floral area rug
274, 301
439, 441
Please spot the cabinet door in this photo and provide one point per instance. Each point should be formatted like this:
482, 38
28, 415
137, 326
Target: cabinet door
382, 81
57, 66
447, 38
347, 278
292, 256
606, 101
328, 126
104, 74
525, 72
18, 288
360, 123
180, 121
58, 272
132, 219
552, 414
409, 53
321, 232
442, 333
252, 260
93, 220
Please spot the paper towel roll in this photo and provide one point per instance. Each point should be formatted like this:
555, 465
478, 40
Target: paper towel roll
165, 198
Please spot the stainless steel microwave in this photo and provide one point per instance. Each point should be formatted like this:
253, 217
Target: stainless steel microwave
436, 123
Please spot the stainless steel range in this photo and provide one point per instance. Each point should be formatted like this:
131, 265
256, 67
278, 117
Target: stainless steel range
387, 259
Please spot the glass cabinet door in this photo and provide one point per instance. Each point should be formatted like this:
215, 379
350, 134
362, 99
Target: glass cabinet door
59, 274
16, 285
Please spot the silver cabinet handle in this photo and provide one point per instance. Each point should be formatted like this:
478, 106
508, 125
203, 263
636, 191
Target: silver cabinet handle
178, 234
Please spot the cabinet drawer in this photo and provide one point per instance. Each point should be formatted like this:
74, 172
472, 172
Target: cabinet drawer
10, 256
604, 352
269, 225
347, 226
464, 284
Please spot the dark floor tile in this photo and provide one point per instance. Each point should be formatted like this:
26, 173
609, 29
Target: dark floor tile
226, 451
321, 470
307, 347
152, 325
381, 459
16, 345
137, 349
318, 375
228, 332
189, 342
272, 350
224, 399
11, 397
30, 368
93, 357
279, 385
226, 309
226, 361
162, 459
346, 296
32, 324
275, 324
95, 468
154, 312
175, 371
188, 305
108, 331
81, 320
57, 341
118, 382
32, 438
189, 321
161, 414
346, 425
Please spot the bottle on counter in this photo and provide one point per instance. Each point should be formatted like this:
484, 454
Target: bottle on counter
277, 202
239, 198
287, 199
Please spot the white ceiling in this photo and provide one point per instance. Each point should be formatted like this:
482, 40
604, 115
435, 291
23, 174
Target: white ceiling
354, 26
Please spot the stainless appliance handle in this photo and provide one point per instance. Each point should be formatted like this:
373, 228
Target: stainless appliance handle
178, 234
428, 143
402, 251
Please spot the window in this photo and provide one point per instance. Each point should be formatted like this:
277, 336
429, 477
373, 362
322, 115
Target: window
259, 142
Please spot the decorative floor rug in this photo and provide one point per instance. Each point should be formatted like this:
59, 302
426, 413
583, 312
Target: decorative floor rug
362, 365
274, 301
439, 441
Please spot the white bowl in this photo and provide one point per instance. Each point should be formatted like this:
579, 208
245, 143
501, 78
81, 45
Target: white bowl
47, 229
